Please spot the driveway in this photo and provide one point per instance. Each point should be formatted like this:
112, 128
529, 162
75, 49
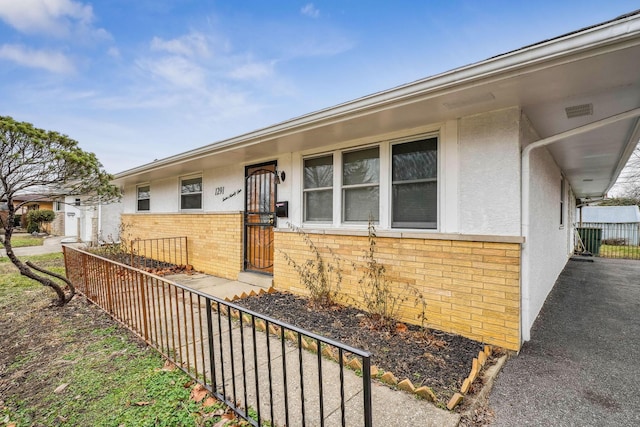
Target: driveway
581, 366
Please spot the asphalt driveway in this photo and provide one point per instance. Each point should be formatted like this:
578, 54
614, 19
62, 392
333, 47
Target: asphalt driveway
582, 365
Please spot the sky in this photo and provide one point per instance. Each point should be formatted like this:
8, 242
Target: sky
134, 81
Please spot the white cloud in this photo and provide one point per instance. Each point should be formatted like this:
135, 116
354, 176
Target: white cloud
190, 45
60, 18
176, 70
113, 52
55, 62
251, 71
310, 10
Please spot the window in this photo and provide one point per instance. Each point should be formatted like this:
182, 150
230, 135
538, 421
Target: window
144, 198
318, 189
415, 184
562, 191
77, 202
360, 185
191, 193
57, 206
404, 173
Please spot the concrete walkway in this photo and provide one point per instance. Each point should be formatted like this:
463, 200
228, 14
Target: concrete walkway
49, 245
390, 407
580, 367
214, 286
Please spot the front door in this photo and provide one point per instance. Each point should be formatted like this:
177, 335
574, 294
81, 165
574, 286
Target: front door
259, 217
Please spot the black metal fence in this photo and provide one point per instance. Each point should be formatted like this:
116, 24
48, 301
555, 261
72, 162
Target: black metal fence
268, 372
610, 240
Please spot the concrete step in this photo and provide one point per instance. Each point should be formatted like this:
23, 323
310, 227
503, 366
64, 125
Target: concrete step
256, 279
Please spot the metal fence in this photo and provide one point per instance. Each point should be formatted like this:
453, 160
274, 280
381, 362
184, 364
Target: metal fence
268, 372
160, 252
610, 240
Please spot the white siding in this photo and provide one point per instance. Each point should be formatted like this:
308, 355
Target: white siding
489, 196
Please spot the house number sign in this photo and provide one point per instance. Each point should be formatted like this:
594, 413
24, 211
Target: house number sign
219, 191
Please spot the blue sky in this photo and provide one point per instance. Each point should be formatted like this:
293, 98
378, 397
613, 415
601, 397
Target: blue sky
133, 81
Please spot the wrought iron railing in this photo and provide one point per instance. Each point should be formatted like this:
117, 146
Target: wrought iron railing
159, 252
609, 240
268, 372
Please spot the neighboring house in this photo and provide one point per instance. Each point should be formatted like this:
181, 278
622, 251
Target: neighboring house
87, 221
472, 177
619, 224
32, 202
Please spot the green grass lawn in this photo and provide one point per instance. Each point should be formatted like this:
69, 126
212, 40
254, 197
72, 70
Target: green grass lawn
74, 366
22, 240
611, 251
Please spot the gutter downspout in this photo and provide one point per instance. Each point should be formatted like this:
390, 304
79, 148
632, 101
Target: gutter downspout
525, 276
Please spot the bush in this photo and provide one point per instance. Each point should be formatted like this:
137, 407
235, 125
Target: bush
380, 299
614, 242
321, 278
38, 216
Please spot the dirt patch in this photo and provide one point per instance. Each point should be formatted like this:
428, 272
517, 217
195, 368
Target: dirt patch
35, 346
426, 357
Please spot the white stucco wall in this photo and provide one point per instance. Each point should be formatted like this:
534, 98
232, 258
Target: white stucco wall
489, 181
478, 181
222, 189
73, 215
109, 225
548, 243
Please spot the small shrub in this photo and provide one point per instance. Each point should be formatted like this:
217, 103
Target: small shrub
614, 242
322, 279
117, 249
37, 217
380, 300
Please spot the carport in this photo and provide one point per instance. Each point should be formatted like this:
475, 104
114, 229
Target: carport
579, 368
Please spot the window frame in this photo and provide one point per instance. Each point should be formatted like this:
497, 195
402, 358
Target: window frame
181, 194
436, 180
343, 186
306, 191
384, 184
148, 198
563, 191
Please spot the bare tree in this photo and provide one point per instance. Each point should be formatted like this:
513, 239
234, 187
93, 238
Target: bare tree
33, 160
627, 188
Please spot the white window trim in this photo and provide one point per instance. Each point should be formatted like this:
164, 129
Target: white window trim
332, 188
138, 199
563, 202
385, 152
342, 205
436, 179
186, 177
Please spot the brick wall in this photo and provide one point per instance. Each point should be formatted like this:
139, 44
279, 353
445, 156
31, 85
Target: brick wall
57, 226
214, 240
472, 288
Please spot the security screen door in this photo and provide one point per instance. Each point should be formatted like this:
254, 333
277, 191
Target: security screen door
259, 217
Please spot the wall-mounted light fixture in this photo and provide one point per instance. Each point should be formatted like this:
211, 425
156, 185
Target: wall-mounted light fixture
280, 176
71, 214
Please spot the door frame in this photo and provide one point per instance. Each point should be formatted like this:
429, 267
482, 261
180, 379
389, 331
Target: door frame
246, 265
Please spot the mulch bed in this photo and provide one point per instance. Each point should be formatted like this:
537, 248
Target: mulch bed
426, 357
